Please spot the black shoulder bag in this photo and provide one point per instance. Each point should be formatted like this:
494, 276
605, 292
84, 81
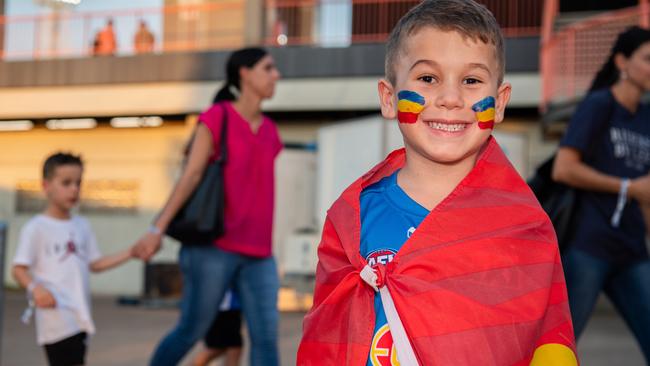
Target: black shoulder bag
200, 220
557, 199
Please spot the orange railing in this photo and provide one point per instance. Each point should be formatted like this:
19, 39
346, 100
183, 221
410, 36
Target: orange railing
174, 28
572, 55
299, 22
231, 23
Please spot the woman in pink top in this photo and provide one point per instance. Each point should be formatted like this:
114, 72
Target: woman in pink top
242, 257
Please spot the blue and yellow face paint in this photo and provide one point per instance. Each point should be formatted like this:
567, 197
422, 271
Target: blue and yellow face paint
409, 106
485, 112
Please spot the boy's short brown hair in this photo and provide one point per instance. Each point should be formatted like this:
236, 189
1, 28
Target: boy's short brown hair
58, 159
466, 17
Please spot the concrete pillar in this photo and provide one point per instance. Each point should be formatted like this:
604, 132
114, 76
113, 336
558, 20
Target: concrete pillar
254, 20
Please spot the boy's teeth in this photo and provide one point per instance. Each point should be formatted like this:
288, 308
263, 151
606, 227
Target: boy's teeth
447, 127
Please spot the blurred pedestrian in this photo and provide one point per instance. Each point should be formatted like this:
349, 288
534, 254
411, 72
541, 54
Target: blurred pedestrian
242, 257
224, 337
106, 43
144, 40
55, 253
605, 154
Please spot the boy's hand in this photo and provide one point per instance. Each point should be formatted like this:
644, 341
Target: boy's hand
133, 253
147, 246
43, 298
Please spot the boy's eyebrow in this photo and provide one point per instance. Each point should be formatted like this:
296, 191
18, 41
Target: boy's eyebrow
434, 64
480, 66
423, 61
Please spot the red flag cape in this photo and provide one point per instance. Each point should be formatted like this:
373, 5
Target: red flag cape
480, 282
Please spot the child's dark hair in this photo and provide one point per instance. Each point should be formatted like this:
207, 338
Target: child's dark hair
626, 43
59, 159
245, 57
467, 17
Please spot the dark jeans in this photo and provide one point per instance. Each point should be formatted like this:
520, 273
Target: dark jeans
627, 287
208, 272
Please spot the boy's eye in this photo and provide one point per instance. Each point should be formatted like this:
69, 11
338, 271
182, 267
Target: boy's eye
470, 81
427, 79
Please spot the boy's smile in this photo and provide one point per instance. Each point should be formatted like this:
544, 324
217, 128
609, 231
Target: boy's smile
452, 73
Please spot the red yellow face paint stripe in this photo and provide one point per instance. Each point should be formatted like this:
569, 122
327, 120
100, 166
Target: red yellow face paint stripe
485, 112
409, 106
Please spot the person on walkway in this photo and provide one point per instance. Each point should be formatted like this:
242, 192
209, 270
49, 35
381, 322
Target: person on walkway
608, 160
242, 257
144, 40
106, 43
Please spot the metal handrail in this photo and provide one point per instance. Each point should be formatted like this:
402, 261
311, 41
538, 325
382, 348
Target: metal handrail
231, 23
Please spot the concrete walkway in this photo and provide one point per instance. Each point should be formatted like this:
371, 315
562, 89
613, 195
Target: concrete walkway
127, 335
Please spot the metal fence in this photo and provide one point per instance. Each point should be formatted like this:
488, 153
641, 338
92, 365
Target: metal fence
230, 24
76, 34
300, 22
571, 56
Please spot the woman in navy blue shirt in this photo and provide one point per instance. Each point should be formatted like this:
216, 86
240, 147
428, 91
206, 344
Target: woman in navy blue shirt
605, 153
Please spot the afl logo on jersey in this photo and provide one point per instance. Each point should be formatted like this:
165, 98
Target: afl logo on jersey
380, 256
382, 351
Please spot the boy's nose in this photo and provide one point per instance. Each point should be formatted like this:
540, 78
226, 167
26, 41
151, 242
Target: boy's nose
449, 98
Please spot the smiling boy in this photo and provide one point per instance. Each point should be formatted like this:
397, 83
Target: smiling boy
440, 255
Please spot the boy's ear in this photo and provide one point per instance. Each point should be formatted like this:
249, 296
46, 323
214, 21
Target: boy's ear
387, 99
503, 97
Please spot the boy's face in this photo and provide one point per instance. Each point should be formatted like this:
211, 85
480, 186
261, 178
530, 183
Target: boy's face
452, 74
63, 187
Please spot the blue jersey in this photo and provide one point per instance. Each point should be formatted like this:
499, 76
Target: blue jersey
388, 218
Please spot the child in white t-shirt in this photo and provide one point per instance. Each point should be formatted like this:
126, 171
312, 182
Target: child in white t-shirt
55, 252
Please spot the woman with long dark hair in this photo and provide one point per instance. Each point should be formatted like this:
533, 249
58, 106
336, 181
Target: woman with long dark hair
605, 154
242, 257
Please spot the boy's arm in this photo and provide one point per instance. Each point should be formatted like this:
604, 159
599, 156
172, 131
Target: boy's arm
110, 261
42, 297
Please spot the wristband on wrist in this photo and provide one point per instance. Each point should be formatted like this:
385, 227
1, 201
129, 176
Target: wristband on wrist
154, 230
32, 285
620, 203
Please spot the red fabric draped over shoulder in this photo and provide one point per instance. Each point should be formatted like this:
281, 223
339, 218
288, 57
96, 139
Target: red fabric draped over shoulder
480, 282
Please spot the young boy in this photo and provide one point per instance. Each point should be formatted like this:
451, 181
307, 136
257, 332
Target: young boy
55, 251
440, 255
224, 336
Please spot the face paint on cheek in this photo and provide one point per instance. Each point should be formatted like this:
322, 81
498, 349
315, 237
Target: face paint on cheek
485, 112
409, 106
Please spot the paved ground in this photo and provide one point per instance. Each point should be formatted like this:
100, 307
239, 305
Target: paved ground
127, 335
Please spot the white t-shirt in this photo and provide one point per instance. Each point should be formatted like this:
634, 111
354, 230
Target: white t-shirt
58, 253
